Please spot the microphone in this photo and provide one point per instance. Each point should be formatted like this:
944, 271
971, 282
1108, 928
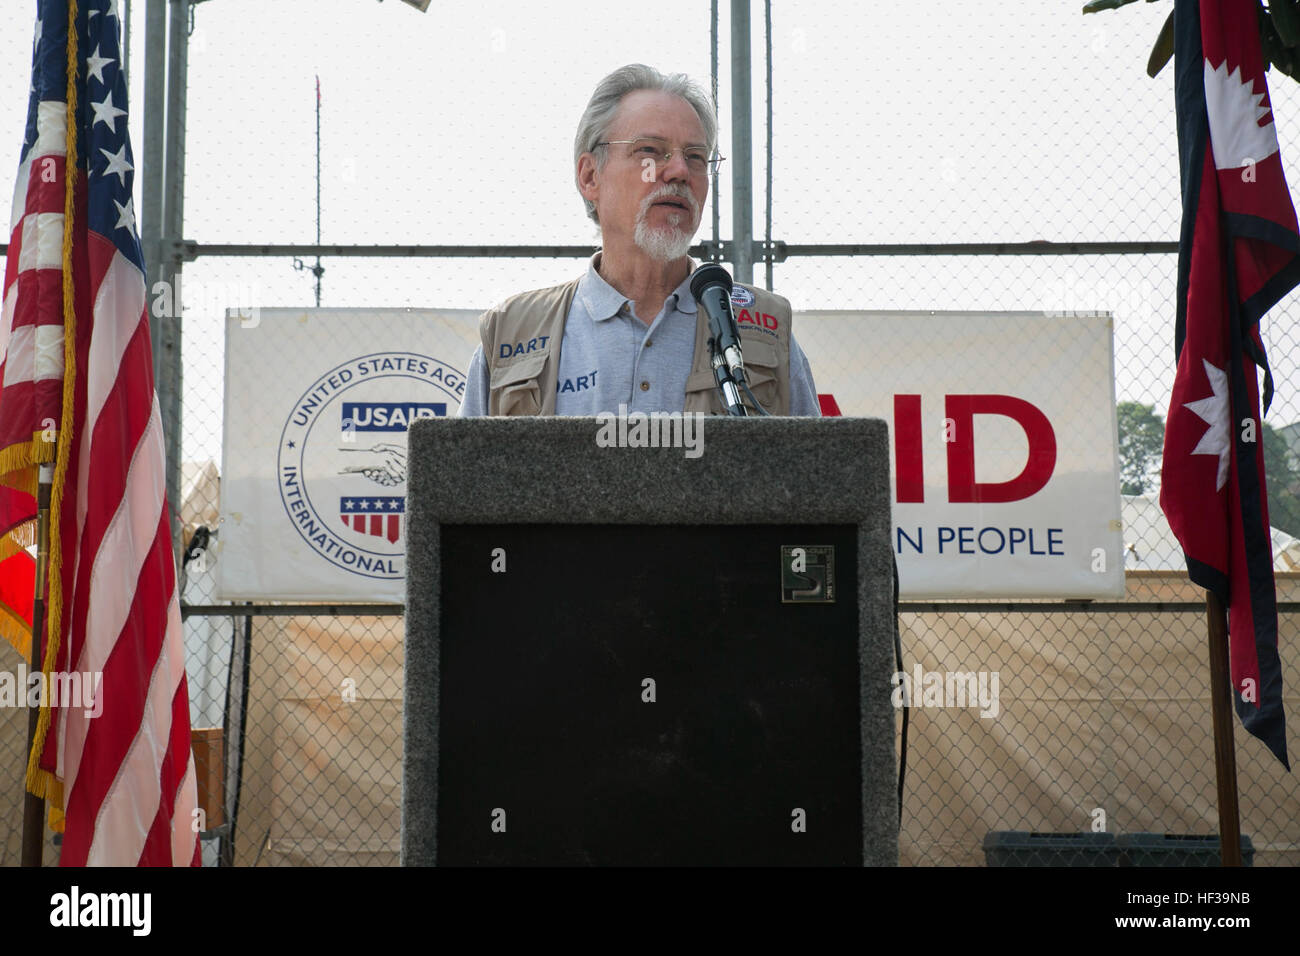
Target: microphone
711, 285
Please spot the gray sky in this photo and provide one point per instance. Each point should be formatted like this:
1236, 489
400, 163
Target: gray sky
893, 122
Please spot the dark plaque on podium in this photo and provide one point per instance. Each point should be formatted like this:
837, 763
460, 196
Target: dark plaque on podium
646, 703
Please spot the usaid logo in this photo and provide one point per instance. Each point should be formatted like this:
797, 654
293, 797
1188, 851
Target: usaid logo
341, 465
388, 416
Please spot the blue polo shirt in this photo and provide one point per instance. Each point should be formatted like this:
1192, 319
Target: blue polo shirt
609, 357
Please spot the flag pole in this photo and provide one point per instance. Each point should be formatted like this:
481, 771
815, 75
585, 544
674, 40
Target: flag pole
34, 806
1225, 752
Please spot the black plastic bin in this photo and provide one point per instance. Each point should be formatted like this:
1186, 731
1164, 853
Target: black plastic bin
1177, 849
1022, 848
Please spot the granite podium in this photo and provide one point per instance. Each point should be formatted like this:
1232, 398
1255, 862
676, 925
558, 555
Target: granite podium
631, 655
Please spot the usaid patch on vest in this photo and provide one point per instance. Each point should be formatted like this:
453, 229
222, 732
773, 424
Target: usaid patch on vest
741, 296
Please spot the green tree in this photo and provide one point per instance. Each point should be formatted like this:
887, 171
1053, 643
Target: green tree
1141, 443
1283, 482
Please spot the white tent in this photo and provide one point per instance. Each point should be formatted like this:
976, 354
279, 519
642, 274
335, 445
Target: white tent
1150, 545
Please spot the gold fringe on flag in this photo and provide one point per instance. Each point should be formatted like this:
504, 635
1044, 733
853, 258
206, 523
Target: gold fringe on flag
41, 782
16, 461
13, 628
19, 464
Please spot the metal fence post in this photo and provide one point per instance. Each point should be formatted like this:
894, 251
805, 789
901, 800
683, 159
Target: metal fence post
168, 362
742, 133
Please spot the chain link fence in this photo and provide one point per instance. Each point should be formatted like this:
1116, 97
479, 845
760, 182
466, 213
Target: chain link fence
935, 127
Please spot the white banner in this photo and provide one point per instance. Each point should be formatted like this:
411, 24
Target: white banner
313, 480
1002, 444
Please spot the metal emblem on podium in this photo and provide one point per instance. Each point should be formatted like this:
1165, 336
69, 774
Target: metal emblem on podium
807, 574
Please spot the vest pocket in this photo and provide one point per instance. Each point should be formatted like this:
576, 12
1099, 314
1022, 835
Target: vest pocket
760, 368
702, 393
514, 388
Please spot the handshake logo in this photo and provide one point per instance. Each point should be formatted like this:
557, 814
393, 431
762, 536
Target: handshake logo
387, 465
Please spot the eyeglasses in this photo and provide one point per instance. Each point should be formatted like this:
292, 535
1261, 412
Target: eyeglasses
697, 158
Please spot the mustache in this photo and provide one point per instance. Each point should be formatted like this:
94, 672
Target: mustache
671, 192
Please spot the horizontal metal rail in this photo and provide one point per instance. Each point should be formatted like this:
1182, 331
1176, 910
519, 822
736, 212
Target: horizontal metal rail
776, 251
905, 607
292, 610
1090, 607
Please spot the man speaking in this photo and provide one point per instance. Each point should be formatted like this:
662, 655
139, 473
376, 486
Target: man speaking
629, 332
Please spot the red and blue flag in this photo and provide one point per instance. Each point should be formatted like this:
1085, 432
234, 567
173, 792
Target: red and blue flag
1239, 254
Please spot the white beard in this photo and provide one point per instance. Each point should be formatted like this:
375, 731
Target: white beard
665, 245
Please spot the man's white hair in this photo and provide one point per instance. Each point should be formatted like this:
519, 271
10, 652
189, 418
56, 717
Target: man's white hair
594, 126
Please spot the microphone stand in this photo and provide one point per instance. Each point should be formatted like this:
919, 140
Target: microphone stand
727, 385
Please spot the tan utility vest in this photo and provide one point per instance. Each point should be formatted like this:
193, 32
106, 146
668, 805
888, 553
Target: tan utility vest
525, 382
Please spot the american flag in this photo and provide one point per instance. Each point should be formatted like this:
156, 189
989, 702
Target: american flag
77, 365
1239, 255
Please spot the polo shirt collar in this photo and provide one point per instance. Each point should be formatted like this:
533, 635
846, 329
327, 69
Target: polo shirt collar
602, 301
685, 301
